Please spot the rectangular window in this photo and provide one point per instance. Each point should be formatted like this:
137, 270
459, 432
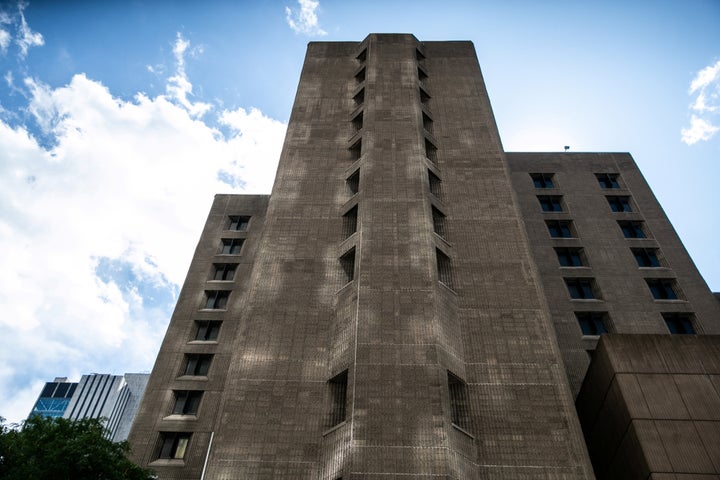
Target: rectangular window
362, 56
592, 323
186, 402
570, 256
207, 330
444, 267
197, 364
360, 76
646, 257
424, 97
619, 204
550, 203
239, 223
359, 97
357, 122
581, 288
173, 445
353, 182
632, 229
662, 288
438, 219
608, 180
216, 299
427, 123
542, 180
350, 222
347, 262
680, 323
338, 397
232, 246
459, 401
356, 150
430, 151
224, 271
435, 184
560, 228
421, 74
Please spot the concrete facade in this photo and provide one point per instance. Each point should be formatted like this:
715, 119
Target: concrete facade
387, 314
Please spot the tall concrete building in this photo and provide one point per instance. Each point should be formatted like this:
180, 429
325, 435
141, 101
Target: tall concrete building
413, 302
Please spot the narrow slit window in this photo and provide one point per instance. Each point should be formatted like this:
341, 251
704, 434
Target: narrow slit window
419, 55
353, 182
421, 74
427, 123
444, 267
430, 151
424, 97
350, 222
187, 402
592, 323
581, 288
459, 401
560, 228
338, 398
347, 263
435, 184
362, 56
357, 122
438, 219
359, 97
680, 323
207, 330
360, 76
356, 150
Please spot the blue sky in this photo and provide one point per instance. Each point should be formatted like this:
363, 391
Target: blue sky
120, 120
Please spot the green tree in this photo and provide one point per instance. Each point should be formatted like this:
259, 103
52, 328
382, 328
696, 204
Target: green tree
58, 449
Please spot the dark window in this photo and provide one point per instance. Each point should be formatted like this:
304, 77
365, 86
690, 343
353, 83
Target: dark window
239, 223
338, 397
362, 56
173, 445
619, 204
357, 122
438, 219
424, 97
542, 180
632, 229
435, 184
216, 299
592, 323
444, 267
347, 262
224, 271
560, 228
662, 288
646, 257
353, 182
680, 323
459, 401
419, 55
232, 246
430, 151
359, 97
550, 203
356, 150
350, 222
580, 288
570, 256
427, 122
421, 74
197, 364
187, 402
360, 76
608, 180
207, 330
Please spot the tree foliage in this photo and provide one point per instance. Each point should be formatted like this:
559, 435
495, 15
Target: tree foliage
58, 448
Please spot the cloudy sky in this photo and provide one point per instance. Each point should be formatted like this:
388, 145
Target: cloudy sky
120, 120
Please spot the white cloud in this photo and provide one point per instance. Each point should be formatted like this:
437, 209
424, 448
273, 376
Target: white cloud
304, 20
126, 183
705, 107
699, 130
26, 37
5, 40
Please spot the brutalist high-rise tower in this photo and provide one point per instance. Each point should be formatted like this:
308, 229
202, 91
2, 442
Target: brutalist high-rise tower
381, 314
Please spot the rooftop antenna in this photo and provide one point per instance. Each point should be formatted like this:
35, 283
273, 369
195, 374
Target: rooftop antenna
567, 147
